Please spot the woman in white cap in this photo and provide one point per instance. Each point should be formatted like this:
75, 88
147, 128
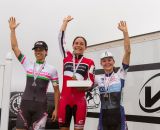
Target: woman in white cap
110, 85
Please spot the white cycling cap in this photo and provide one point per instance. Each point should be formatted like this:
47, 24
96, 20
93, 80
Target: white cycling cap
106, 54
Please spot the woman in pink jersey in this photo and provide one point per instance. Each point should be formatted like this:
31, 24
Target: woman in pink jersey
75, 67
33, 109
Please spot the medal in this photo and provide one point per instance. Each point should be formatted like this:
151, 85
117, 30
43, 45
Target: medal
74, 77
35, 75
106, 95
34, 84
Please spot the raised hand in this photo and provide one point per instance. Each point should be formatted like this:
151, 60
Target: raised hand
12, 23
67, 19
65, 22
122, 26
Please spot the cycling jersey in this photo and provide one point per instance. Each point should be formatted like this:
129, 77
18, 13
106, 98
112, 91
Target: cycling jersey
33, 106
110, 88
48, 73
72, 98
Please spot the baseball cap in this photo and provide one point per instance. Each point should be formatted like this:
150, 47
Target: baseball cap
106, 54
40, 44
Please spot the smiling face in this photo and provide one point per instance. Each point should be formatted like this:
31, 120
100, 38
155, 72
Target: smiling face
79, 45
40, 53
108, 64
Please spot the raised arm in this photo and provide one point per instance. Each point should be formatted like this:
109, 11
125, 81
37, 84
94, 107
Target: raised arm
66, 20
127, 49
61, 37
13, 25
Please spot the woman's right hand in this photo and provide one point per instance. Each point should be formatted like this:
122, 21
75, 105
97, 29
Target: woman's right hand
67, 19
12, 23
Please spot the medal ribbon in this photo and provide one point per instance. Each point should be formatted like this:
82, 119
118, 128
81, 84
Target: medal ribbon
74, 64
106, 83
35, 75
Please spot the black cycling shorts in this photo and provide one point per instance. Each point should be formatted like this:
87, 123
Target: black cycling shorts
111, 119
31, 114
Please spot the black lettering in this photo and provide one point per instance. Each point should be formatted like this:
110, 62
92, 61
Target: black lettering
149, 101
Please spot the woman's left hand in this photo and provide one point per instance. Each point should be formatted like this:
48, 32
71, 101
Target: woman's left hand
122, 26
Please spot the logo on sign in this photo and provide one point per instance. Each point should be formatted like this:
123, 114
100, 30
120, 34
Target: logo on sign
149, 100
15, 102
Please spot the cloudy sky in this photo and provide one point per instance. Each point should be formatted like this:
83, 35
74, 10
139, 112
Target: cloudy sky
95, 19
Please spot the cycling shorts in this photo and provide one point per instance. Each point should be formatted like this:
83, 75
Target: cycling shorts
31, 114
72, 106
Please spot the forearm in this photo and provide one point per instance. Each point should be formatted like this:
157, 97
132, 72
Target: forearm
127, 47
64, 26
14, 43
13, 40
62, 43
56, 99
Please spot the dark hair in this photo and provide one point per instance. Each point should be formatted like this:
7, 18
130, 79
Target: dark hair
82, 38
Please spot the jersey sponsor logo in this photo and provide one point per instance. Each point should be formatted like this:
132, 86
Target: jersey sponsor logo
102, 89
149, 95
113, 79
15, 102
80, 122
69, 66
116, 87
60, 120
82, 68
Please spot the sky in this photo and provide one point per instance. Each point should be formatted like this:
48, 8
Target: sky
96, 20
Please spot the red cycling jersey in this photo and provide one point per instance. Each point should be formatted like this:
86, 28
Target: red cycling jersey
73, 101
85, 69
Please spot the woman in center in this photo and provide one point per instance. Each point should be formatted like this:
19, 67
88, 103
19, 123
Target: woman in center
75, 67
